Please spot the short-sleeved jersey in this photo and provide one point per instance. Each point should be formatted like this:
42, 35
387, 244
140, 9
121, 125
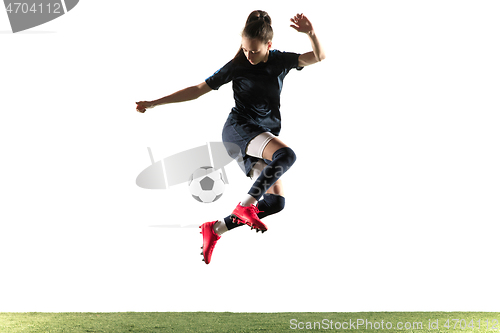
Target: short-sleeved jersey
257, 89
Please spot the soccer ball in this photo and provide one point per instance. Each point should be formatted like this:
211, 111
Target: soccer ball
206, 184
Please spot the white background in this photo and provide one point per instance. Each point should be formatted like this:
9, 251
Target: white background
393, 204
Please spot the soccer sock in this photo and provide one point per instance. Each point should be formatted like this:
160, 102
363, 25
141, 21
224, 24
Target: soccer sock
248, 200
220, 227
229, 223
270, 204
283, 159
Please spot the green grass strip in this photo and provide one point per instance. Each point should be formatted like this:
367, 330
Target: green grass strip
221, 322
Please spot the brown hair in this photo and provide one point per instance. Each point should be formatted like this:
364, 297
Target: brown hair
258, 26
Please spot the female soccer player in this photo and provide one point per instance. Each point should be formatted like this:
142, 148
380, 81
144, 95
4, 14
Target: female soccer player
254, 123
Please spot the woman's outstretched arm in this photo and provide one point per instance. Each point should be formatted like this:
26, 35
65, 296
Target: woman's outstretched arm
184, 95
302, 24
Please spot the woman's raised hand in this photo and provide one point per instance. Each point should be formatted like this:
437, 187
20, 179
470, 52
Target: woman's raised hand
301, 23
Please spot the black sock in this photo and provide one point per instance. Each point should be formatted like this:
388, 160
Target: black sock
270, 204
283, 159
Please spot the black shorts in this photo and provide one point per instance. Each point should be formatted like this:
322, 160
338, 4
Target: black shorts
238, 134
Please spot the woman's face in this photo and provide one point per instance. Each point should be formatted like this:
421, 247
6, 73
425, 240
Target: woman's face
255, 50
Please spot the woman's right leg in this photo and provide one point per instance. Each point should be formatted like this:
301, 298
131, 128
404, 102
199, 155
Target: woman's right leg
272, 201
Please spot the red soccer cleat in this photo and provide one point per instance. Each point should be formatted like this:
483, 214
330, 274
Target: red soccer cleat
210, 238
248, 215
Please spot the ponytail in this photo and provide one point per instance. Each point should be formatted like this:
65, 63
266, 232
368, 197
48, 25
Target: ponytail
259, 15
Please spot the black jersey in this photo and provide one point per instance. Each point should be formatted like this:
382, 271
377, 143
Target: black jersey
257, 89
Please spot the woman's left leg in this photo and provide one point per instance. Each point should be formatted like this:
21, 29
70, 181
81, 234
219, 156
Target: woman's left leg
268, 181
282, 158
272, 202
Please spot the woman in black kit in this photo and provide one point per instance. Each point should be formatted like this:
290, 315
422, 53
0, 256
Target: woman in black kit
253, 126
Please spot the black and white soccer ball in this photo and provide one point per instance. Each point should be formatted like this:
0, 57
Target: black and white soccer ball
206, 184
